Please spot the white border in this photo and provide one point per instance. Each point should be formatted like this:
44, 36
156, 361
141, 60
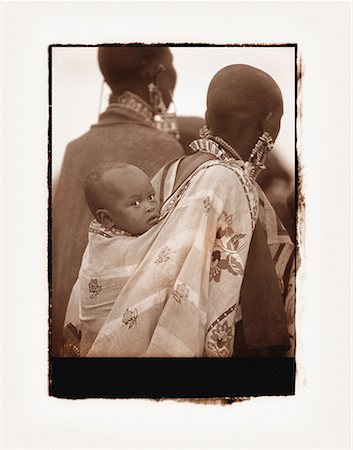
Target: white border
319, 415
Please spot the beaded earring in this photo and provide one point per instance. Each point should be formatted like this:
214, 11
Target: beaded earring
258, 155
164, 121
205, 133
156, 99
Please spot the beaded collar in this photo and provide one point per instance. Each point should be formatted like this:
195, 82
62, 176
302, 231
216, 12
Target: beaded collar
250, 167
96, 228
134, 103
206, 145
221, 149
221, 143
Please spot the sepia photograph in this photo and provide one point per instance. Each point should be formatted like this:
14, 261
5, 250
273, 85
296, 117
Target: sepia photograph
173, 215
176, 201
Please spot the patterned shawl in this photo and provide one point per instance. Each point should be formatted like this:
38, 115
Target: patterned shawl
173, 291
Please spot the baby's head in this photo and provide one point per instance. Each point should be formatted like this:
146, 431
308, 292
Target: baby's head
121, 195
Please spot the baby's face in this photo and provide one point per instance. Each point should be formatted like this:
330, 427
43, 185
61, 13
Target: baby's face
130, 200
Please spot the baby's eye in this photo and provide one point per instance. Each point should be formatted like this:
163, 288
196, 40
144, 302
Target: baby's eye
135, 203
152, 197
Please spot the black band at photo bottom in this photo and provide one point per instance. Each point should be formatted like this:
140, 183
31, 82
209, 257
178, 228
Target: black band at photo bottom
170, 377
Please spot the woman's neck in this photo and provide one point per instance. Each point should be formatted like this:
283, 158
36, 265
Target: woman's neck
133, 102
136, 89
242, 141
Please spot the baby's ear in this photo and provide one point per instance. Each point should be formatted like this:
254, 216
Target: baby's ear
103, 217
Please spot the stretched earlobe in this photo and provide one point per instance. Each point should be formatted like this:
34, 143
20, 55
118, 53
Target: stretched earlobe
156, 99
266, 124
161, 68
271, 124
206, 119
104, 218
152, 71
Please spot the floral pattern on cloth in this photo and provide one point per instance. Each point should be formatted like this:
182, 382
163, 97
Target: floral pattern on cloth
130, 317
180, 293
163, 256
206, 204
221, 333
221, 340
94, 288
228, 244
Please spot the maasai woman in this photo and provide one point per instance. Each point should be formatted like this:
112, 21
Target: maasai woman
215, 276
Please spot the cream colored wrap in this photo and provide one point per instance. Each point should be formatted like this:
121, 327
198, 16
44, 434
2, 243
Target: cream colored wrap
173, 291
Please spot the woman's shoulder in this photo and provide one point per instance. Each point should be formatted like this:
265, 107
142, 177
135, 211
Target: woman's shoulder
207, 163
205, 168
190, 164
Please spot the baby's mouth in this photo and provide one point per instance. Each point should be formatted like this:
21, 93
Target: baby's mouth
154, 218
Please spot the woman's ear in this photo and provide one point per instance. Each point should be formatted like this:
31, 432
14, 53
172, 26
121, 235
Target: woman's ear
104, 218
272, 124
267, 122
152, 70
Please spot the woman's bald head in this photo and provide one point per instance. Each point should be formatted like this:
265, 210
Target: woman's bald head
240, 93
128, 67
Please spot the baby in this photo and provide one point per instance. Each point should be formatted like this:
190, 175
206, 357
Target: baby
120, 195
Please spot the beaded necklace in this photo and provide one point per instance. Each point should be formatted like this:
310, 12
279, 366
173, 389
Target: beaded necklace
134, 103
221, 148
209, 146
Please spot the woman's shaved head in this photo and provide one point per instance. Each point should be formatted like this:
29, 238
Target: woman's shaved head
119, 64
134, 68
240, 93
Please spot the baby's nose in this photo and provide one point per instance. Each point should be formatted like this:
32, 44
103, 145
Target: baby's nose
150, 208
